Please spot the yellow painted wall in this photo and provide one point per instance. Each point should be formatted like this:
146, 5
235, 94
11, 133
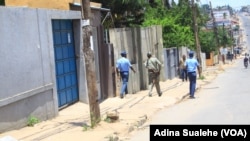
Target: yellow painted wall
50, 4
210, 62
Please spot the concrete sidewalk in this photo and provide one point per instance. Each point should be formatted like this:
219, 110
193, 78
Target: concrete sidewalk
134, 110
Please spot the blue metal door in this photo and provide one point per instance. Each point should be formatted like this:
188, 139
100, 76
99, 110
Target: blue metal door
66, 74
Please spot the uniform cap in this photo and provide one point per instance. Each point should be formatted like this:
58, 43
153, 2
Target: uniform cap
123, 52
149, 54
191, 53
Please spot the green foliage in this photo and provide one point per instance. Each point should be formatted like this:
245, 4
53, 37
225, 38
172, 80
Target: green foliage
125, 13
173, 3
177, 29
32, 121
207, 41
112, 138
224, 37
108, 120
202, 77
2, 2
176, 36
85, 127
176, 20
94, 120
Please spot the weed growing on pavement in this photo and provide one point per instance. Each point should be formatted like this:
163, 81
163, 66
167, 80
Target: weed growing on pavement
94, 120
85, 127
202, 77
112, 138
108, 120
32, 121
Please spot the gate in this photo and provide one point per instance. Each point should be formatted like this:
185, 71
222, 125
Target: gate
66, 74
170, 62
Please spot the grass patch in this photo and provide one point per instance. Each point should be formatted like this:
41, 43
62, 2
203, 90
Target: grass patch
108, 120
202, 77
32, 121
112, 138
85, 127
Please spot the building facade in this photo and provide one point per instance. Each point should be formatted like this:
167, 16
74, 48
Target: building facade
42, 68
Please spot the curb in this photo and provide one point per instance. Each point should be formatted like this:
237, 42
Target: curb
138, 123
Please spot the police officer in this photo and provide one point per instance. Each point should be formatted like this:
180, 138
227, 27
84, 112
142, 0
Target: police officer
154, 67
192, 65
122, 68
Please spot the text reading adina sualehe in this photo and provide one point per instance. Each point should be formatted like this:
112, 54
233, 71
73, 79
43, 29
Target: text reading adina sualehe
185, 132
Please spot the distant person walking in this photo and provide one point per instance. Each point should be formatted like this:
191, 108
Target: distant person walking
182, 68
192, 65
245, 60
154, 68
122, 69
248, 58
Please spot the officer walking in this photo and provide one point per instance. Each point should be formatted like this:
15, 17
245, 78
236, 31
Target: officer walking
122, 69
154, 67
192, 65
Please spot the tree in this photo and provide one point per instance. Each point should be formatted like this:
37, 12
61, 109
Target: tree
166, 3
173, 3
197, 41
175, 33
225, 38
207, 41
176, 19
126, 13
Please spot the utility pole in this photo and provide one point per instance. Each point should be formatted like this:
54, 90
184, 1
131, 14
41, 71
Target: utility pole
224, 43
215, 31
94, 107
197, 43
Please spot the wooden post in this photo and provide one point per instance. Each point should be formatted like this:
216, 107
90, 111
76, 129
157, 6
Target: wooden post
215, 33
197, 43
94, 107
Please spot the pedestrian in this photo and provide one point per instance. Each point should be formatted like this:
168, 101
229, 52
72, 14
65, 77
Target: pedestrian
122, 68
182, 68
192, 65
245, 60
231, 56
154, 68
249, 58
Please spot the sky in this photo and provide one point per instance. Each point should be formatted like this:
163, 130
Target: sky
235, 4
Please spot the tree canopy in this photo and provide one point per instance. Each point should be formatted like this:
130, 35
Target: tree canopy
2, 2
175, 19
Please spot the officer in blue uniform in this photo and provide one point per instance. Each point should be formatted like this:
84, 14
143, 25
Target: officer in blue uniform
122, 68
192, 65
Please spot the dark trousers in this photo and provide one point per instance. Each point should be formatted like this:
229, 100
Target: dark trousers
192, 80
184, 74
124, 87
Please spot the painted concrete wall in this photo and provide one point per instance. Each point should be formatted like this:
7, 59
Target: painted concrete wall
51, 4
137, 42
28, 83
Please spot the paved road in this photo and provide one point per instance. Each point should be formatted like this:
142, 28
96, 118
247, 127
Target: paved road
224, 101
